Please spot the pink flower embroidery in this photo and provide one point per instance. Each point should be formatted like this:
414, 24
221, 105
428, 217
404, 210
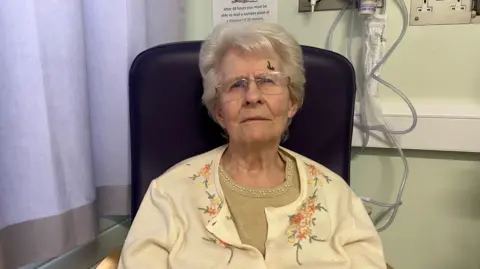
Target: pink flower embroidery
301, 223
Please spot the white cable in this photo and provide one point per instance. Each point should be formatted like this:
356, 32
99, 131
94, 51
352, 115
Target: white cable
350, 35
334, 25
366, 138
369, 200
363, 124
398, 201
395, 206
382, 128
312, 5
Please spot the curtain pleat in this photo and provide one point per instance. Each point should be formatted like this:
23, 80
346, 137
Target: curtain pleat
64, 128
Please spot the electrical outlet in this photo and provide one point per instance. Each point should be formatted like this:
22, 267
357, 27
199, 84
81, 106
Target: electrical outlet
430, 12
324, 5
425, 7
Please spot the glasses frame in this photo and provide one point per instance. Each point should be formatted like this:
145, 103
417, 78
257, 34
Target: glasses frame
249, 80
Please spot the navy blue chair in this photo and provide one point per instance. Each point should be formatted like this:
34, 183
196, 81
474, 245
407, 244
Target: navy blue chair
169, 123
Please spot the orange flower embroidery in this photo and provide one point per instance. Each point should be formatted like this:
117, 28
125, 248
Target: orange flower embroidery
205, 175
302, 221
313, 175
220, 243
205, 171
214, 207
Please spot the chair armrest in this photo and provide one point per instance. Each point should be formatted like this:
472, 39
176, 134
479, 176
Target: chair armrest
111, 261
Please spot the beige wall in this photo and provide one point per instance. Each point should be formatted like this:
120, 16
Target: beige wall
432, 61
439, 224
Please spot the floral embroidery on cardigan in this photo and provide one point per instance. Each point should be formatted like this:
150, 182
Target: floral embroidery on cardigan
220, 243
215, 205
313, 175
301, 223
204, 173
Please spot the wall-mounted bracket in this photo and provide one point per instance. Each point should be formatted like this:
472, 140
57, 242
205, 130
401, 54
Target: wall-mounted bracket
325, 5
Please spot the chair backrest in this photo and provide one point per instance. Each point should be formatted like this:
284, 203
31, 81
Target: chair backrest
169, 123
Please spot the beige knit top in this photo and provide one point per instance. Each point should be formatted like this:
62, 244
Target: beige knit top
247, 205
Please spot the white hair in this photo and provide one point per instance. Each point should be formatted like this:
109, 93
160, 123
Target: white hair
250, 38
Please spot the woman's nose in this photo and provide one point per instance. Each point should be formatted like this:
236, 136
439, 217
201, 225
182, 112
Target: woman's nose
253, 93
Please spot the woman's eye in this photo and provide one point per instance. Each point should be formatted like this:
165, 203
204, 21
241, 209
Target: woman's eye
238, 84
266, 80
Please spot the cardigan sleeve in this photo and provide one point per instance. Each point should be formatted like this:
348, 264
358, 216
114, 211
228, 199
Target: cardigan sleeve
359, 238
152, 234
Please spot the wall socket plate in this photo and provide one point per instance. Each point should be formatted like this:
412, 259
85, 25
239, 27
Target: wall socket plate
324, 5
436, 12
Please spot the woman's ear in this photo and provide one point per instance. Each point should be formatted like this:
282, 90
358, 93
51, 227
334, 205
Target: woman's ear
293, 108
218, 115
292, 111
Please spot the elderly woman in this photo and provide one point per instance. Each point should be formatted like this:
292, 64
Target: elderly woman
251, 203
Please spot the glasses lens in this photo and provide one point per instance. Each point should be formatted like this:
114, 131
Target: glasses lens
234, 89
270, 83
236, 85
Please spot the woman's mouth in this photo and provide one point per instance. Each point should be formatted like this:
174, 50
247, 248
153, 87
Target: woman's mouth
252, 119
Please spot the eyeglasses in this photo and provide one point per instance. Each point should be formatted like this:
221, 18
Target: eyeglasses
268, 83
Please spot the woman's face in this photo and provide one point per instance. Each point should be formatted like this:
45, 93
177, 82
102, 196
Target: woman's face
250, 106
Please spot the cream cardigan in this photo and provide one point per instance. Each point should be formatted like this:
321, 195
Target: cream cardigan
184, 223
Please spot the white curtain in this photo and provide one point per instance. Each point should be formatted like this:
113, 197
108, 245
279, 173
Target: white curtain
64, 134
